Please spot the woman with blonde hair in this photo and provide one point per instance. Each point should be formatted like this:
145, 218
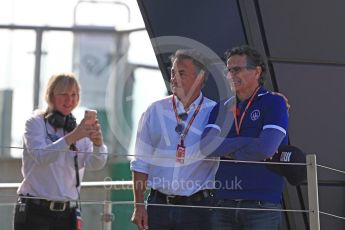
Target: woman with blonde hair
56, 153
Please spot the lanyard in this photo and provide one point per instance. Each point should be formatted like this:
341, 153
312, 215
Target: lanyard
234, 111
73, 147
76, 167
178, 119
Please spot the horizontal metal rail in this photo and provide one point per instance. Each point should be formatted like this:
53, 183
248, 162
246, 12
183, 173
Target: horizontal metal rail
75, 28
114, 185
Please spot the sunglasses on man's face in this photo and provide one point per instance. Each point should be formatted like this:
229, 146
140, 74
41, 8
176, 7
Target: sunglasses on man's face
180, 126
236, 69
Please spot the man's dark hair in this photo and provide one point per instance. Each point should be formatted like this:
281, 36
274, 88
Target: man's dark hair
199, 61
254, 58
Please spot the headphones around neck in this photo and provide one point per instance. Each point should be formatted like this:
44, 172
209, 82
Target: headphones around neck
59, 120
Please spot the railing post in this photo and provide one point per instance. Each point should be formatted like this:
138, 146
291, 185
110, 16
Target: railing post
313, 197
38, 59
107, 216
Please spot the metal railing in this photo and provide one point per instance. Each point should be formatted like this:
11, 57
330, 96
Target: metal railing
107, 215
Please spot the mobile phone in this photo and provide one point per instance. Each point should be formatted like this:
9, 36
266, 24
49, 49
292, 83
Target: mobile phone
90, 116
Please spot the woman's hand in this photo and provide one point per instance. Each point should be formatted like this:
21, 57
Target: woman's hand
96, 134
81, 131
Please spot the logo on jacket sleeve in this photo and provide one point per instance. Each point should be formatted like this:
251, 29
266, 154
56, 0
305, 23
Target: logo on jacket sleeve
255, 115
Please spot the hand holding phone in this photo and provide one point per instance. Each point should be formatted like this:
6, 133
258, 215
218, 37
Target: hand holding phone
90, 116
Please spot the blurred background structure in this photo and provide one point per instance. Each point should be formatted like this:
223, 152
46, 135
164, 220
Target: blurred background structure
120, 50
106, 44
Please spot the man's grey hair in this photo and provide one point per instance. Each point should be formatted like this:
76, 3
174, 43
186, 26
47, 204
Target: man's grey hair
200, 61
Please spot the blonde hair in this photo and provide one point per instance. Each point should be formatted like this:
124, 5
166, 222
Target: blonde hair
59, 83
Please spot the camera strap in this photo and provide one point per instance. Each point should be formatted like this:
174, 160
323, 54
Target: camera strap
76, 166
73, 147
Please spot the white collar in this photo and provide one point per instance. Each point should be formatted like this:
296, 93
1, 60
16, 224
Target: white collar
193, 105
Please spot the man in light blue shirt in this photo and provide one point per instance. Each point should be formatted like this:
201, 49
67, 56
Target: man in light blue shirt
167, 156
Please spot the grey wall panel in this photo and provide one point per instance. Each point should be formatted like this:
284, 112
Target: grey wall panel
304, 41
317, 117
215, 24
332, 201
316, 94
305, 29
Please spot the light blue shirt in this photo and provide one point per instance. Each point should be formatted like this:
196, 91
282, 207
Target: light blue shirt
156, 144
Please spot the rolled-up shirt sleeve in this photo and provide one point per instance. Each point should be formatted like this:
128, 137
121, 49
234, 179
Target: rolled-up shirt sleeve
98, 158
143, 146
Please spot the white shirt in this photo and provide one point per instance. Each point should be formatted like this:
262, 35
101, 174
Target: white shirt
48, 167
156, 144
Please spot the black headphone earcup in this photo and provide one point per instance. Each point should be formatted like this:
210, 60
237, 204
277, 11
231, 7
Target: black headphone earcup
70, 123
55, 119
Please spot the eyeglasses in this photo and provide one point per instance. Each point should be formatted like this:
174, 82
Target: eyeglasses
180, 126
236, 69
